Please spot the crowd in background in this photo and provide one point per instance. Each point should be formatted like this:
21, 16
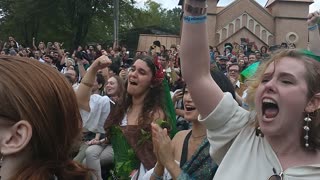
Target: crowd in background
231, 60
108, 92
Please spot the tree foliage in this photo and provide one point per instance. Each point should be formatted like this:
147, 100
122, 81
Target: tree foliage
75, 22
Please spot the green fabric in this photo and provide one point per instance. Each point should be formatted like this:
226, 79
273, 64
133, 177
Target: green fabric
249, 71
310, 54
169, 109
124, 157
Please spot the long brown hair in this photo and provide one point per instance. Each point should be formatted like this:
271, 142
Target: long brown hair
153, 102
39, 94
312, 77
120, 91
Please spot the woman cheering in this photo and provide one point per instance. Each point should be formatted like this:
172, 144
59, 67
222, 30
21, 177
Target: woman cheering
279, 138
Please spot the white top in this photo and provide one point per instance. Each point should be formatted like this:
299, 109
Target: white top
244, 96
166, 175
239, 152
64, 70
75, 86
41, 60
99, 111
238, 84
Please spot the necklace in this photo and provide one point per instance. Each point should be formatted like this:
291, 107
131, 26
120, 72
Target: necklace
195, 137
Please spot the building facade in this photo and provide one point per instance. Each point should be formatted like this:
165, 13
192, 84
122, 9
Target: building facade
279, 21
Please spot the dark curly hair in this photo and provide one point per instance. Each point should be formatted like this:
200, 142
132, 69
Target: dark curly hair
153, 102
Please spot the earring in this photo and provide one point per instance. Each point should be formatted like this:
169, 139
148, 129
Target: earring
1, 159
259, 132
307, 129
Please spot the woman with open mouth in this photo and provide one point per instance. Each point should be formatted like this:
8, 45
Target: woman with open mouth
128, 126
188, 148
187, 155
279, 137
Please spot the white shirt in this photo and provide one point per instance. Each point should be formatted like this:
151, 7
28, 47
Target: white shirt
166, 175
239, 152
99, 111
41, 60
238, 84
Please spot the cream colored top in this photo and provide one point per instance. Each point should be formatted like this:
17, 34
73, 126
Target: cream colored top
240, 153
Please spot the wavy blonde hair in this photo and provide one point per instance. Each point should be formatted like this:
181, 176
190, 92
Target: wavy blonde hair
312, 78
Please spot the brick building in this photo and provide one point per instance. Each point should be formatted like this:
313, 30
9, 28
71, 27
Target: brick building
279, 21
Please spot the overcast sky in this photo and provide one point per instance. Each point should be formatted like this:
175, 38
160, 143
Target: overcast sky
169, 4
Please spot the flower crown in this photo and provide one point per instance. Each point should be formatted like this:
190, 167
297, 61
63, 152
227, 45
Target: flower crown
159, 75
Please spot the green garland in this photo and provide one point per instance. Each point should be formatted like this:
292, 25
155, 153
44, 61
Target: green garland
169, 109
124, 156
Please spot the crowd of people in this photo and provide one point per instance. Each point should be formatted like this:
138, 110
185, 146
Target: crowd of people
189, 111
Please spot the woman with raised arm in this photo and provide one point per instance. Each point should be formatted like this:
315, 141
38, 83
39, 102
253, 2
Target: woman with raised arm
39, 122
129, 123
314, 32
279, 138
128, 127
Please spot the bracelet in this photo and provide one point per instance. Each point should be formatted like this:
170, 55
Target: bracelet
195, 11
313, 27
90, 85
200, 0
156, 176
195, 19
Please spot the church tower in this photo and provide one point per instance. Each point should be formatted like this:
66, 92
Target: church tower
290, 18
212, 20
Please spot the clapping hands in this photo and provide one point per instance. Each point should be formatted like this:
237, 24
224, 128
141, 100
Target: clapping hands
162, 144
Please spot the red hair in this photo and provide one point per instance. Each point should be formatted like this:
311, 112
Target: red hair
37, 93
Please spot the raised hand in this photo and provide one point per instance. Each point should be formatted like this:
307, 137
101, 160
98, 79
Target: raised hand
177, 95
101, 63
314, 18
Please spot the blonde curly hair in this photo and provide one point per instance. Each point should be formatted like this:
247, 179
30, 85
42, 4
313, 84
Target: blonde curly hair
312, 78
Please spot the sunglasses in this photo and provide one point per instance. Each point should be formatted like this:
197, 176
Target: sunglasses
276, 176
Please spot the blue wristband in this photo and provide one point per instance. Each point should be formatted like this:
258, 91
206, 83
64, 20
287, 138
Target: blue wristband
314, 27
156, 176
195, 19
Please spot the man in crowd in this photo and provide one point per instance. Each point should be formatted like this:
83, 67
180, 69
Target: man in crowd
252, 58
170, 73
222, 64
239, 87
258, 56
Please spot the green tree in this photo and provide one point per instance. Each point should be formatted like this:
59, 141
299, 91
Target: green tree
75, 22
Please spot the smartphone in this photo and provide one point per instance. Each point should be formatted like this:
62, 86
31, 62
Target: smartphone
177, 90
